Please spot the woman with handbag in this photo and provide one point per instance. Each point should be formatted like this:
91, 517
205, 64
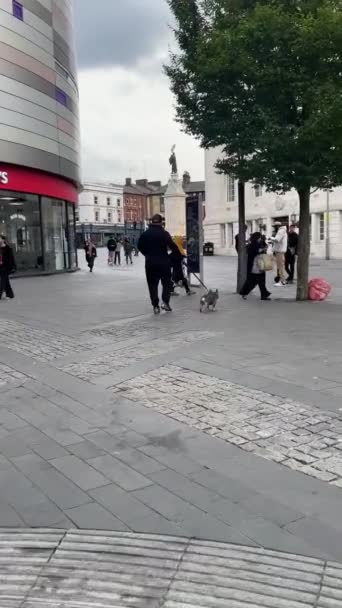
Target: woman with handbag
257, 263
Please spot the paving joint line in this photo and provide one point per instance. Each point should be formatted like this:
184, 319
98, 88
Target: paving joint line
164, 599
28, 592
316, 604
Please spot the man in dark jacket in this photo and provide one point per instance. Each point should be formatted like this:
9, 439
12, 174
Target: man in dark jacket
111, 246
292, 251
7, 265
155, 245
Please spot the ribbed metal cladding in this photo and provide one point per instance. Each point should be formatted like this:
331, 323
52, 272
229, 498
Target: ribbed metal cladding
38, 87
53, 569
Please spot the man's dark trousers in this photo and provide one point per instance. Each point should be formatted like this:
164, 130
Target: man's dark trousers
5, 285
156, 272
290, 264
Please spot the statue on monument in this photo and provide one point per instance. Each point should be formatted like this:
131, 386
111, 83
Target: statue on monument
173, 161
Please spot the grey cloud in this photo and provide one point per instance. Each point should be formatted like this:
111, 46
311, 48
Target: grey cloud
119, 32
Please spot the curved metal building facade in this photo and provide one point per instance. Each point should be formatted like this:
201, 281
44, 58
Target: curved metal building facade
39, 132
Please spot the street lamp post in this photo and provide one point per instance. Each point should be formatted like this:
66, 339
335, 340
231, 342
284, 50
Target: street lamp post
327, 230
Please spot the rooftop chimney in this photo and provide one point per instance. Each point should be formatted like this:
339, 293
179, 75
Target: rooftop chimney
128, 181
141, 182
156, 184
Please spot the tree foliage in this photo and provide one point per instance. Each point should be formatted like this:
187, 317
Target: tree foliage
263, 81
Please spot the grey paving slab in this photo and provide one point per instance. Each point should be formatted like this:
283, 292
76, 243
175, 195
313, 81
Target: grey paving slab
223, 485
44, 514
179, 462
49, 449
167, 503
124, 505
313, 531
185, 488
139, 461
30, 462
93, 516
272, 509
83, 475
58, 488
117, 471
9, 516
85, 450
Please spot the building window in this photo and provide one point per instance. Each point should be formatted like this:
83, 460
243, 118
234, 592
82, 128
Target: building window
118, 202
97, 216
61, 97
18, 10
96, 200
321, 227
109, 216
77, 215
109, 201
258, 190
230, 189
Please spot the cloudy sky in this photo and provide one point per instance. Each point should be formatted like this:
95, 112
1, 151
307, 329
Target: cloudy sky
127, 114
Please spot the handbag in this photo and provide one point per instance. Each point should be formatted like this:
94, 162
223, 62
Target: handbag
265, 262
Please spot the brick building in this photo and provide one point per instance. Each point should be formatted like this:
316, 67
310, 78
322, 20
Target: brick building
136, 200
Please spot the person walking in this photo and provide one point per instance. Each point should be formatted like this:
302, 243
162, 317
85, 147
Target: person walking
291, 253
90, 254
155, 244
117, 256
111, 246
176, 259
128, 249
7, 266
279, 249
237, 239
255, 276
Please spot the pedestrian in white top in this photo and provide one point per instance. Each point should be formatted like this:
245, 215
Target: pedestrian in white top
279, 250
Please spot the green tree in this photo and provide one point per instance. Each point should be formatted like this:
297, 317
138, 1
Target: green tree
263, 82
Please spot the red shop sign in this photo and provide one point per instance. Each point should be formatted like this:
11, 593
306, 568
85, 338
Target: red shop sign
22, 179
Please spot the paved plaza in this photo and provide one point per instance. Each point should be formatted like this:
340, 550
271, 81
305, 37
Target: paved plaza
196, 429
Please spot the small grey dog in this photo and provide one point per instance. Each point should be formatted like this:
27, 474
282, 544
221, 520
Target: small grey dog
209, 300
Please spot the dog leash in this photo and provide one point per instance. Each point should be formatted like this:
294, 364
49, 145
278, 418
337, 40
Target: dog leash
197, 277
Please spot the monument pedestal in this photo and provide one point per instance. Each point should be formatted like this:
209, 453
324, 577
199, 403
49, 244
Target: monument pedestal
175, 197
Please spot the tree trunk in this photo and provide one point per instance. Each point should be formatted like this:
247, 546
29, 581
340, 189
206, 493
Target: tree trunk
304, 245
242, 253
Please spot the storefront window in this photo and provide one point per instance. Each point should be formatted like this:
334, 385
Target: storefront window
72, 235
41, 231
20, 223
56, 254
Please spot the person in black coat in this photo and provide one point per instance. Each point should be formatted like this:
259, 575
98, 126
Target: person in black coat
155, 245
7, 266
292, 251
255, 276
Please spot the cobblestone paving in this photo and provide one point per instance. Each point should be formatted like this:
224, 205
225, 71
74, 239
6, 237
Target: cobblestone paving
121, 332
109, 362
8, 375
38, 344
301, 437
118, 570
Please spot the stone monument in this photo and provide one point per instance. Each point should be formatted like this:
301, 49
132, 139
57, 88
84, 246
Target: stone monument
175, 200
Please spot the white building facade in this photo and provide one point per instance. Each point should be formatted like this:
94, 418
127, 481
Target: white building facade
101, 204
263, 208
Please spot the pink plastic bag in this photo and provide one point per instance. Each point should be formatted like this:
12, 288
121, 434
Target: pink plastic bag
319, 289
